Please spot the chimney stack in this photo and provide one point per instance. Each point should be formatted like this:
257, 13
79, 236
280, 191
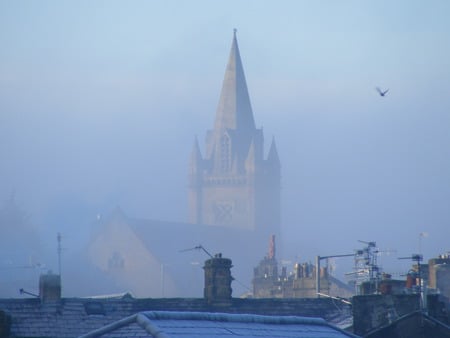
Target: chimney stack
50, 287
218, 280
5, 324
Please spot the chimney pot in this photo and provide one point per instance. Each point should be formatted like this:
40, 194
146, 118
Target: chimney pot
218, 280
50, 287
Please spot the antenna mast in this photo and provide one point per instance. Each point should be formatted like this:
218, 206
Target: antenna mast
418, 258
366, 268
58, 237
198, 247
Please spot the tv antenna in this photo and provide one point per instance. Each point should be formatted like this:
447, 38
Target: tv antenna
198, 247
59, 250
366, 268
417, 258
201, 247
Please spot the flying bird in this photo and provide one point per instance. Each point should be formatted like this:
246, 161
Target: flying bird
382, 93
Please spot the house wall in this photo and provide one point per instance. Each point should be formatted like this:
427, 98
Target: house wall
439, 276
374, 311
120, 254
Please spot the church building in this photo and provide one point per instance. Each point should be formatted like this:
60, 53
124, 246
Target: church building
233, 184
234, 204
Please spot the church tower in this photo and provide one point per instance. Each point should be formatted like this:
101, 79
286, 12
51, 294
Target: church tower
233, 185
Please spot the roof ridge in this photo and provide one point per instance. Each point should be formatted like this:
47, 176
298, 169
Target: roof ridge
232, 317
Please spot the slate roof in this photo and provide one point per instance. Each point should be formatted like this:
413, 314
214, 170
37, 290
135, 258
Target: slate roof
413, 325
72, 317
161, 324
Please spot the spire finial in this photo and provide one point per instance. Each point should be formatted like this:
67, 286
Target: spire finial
234, 32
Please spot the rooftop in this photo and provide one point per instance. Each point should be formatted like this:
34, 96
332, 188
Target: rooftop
198, 324
73, 317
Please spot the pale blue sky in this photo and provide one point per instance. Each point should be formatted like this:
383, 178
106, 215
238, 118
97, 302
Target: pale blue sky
100, 102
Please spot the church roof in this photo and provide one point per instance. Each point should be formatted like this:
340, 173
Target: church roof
234, 110
183, 260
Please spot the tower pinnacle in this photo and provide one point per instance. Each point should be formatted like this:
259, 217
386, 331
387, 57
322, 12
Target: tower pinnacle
234, 110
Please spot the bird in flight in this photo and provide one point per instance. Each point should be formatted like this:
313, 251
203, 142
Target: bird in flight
381, 92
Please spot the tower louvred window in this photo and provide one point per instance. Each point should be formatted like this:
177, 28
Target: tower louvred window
225, 153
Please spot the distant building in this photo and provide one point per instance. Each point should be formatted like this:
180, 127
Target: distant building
416, 307
439, 276
217, 314
413, 325
233, 184
21, 249
152, 258
234, 202
269, 282
438, 288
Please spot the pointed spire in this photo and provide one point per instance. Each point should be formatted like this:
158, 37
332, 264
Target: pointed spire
273, 157
196, 156
250, 161
234, 110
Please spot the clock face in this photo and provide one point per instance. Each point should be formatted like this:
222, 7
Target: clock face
223, 212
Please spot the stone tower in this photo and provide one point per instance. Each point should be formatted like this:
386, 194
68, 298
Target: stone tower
233, 184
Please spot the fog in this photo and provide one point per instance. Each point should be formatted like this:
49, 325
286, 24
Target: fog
100, 103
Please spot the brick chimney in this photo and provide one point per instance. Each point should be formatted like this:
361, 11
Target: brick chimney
218, 280
5, 324
50, 287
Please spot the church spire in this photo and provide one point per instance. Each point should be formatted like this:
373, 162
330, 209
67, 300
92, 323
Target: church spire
233, 184
272, 157
234, 110
196, 158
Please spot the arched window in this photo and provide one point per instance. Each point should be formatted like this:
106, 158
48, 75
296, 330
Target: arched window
225, 154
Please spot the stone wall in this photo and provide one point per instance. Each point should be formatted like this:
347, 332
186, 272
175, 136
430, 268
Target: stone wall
439, 307
374, 311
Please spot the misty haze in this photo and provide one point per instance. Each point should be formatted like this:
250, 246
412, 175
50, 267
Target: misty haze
150, 136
